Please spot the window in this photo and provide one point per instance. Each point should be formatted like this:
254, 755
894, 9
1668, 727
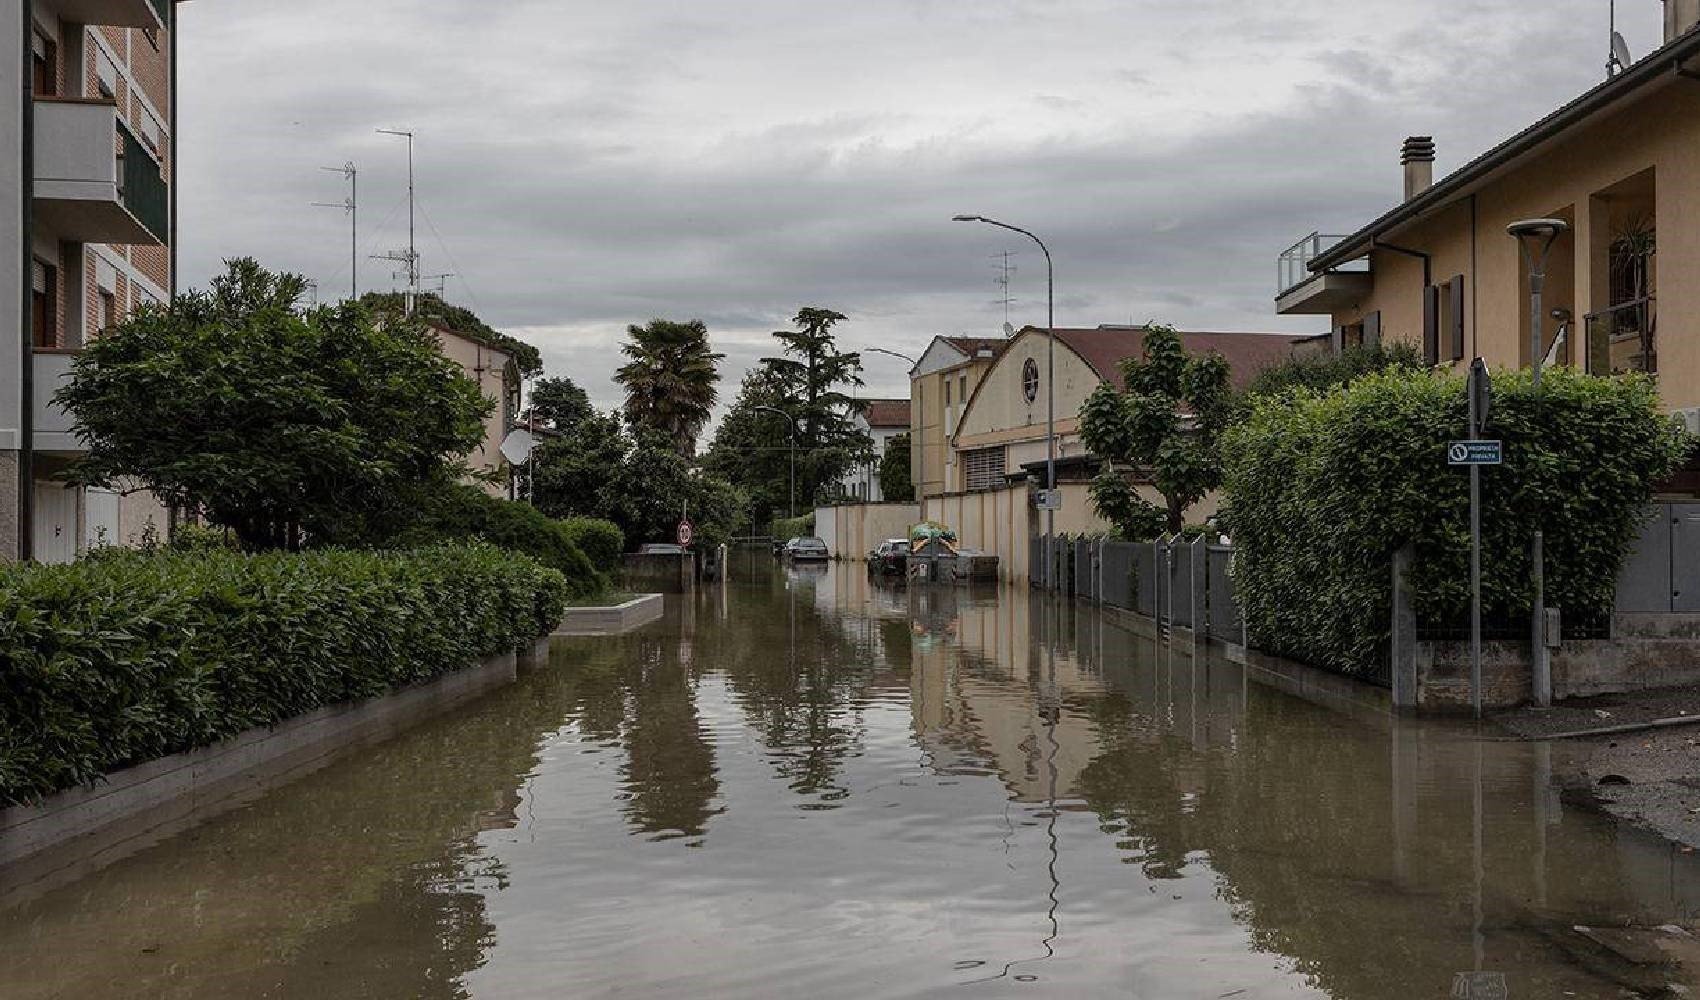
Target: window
1443, 322
106, 75
108, 310
44, 65
962, 389
44, 290
983, 469
1431, 325
947, 391
1030, 380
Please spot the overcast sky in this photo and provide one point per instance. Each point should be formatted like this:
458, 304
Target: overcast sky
582, 166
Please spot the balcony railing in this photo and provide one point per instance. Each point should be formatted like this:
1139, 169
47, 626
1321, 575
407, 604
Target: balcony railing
1623, 338
142, 187
1293, 268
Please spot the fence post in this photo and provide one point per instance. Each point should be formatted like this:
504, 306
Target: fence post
1098, 570
1166, 614
1199, 553
1403, 668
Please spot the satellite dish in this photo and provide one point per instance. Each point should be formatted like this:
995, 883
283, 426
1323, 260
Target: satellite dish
1009, 329
518, 445
1620, 54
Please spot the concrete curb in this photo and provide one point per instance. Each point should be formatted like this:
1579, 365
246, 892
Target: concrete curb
616, 620
81, 829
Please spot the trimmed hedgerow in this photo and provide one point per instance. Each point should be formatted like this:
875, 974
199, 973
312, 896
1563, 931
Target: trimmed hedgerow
1322, 490
601, 541
128, 657
463, 513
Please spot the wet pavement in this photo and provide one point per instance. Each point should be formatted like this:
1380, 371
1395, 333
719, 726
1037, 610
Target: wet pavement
809, 785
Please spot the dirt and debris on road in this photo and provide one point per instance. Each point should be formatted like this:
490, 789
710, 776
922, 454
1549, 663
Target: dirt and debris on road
1647, 777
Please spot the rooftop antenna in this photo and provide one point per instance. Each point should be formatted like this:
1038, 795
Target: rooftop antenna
410, 257
1006, 270
1620, 55
442, 281
352, 207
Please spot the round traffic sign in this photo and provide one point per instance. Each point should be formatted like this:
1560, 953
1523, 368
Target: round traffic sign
1459, 453
686, 533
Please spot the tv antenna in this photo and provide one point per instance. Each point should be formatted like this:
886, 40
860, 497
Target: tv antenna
1005, 270
1620, 57
442, 281
408, 258
352, 207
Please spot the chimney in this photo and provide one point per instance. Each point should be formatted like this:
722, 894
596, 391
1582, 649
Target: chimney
1680, 18
1418, 158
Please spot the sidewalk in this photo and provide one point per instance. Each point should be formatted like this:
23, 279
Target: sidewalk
1648, 777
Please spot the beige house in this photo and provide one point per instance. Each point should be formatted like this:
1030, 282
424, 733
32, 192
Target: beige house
939, 387
997, 446
1620, 165
499, 379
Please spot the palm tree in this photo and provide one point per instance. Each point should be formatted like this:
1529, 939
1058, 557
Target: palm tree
670, 380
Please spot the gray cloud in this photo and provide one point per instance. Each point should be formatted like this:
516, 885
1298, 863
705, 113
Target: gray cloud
584, 166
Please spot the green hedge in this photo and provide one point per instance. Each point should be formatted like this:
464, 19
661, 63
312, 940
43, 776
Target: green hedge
787, 528
601, 541
465, 513
1321, 490
128, 657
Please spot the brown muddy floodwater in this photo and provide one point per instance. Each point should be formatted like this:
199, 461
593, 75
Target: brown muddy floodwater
811, 787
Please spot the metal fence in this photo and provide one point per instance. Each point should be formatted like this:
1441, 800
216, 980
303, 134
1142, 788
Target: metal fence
1226, 622
1085, 582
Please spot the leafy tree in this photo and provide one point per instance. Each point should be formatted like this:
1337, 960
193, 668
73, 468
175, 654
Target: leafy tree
896, 482
275, 422
811, 373
431, 308
637, 480
670, 380
560, 403
752, 446
1143, 430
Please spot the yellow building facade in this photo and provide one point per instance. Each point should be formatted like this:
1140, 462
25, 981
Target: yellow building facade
1620, 166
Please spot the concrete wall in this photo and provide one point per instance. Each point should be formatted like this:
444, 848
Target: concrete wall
1644, 151
1000, 411
851, 531
662, 574
492, 370
932, 419
997, 523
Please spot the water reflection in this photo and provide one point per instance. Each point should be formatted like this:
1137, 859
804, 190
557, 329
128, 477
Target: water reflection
819, 784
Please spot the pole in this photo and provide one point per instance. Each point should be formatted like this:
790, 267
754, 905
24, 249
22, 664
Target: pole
1477, 370
1540, 667
353, 232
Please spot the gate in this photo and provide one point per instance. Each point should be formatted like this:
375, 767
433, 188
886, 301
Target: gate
1661, 574
1085, 582
1226, 622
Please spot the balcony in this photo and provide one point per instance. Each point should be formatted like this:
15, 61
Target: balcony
53, 432
117, 13
86, 190
1622, 339
1300, 292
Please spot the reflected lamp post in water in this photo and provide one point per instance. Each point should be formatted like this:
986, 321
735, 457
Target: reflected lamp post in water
1050, 387
1535, 237
921, 412
793, 422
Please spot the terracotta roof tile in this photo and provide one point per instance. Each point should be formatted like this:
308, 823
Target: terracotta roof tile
1105, 347
886, 412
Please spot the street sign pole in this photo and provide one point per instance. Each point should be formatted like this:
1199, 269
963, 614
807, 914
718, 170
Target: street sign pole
1478, 397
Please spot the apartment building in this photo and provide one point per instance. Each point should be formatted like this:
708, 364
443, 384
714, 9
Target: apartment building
87, 214
1620, 165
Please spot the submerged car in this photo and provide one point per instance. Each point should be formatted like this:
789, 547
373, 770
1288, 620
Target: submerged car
892, 557
806, 550
661, 549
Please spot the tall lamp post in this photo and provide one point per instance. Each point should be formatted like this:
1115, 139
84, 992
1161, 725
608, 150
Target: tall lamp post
1050, 387
793, 422
1536, 237
920, 409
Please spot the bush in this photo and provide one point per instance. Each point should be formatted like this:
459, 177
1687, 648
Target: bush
601, 541
464, 513
1323, 489
127, 658
200, 538
1323, 372
787, 528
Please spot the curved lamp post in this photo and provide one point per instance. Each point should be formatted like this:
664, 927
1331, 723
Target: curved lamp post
1050, 386
921, 487
793, 422
1536, 237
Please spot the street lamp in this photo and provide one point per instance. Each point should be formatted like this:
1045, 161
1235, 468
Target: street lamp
1535, 237
1050, 387
793, 421
920, 407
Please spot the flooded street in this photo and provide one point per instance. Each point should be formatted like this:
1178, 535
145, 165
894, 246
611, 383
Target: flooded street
811, 786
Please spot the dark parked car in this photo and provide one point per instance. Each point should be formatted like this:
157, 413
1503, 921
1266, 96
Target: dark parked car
891, 558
